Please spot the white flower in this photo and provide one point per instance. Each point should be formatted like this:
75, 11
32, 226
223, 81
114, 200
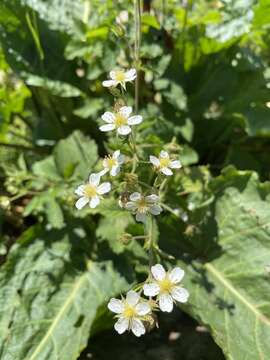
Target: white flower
164, 164
91, 192
120, 121
122, 18
142, 205
113, 163
120, 77
130, 313
166, 287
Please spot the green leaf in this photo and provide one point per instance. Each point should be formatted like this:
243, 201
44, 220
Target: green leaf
50, 296
55, 87
230, 285
76, 151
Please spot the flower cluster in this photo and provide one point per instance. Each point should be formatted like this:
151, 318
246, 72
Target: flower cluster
161, 289
133, 311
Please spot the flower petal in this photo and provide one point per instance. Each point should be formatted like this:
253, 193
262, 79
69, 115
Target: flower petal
121, 159
115, 170
104, 188
154, 160
155, 209
131, 206
141, 217
176, 275
94, 202
109, 83
175, 164
80, 190
116, 154
180, 294
142, 308
94, 179
158, 272
135, 120
107, 127
116, 306
125, 111
132, 297
166, 171
135, 196
165, 303
81, 202
137, 327
108, 117
112, 74
121, 325
163, 154
124, 130
131, 75
151, 289
152, 198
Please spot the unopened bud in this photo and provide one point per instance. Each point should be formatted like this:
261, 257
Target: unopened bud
126, 238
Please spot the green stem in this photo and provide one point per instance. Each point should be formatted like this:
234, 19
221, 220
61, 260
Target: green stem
151, 244
137, 11
168, 208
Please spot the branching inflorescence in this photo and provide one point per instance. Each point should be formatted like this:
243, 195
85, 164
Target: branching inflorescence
161, 289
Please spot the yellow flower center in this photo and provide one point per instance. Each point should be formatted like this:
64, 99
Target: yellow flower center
164, 162
142, 205
120, 120
120, 76
129, 312
165, 285
90, 190
110, 162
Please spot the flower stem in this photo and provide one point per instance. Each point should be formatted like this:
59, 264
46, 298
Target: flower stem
137, 11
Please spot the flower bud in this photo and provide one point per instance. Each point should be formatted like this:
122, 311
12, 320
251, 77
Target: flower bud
126, 238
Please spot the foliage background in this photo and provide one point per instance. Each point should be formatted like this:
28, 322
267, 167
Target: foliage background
205, 81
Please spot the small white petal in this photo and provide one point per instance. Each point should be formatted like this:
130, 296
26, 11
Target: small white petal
141, 217
81, 202
121, 159
165, 303
154, 160
151, 289
107, 127
109, 83
137, 327
166, 171
103, 172
163, 154
158, 272
132, 297
115, 170
94, 202
104, 188
142, 308
175, 164
125, 111
94, 179
112, 74
176, 275
116, 154
135, 120
131, 75
108, 117
116, 306
80, 190
135, 196
121, 325
155, 209
152, 198
180, 294
131, 206
124, 130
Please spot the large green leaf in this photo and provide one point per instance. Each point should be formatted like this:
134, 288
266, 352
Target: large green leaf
50, 294
230, 286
